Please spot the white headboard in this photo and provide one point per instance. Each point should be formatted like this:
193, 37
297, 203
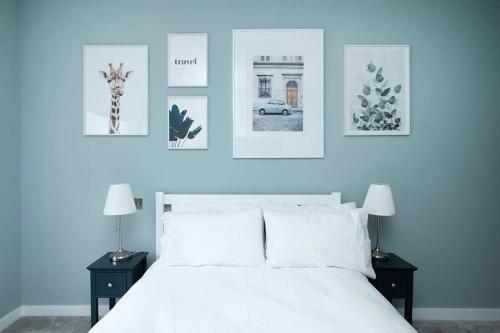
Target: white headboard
164, 201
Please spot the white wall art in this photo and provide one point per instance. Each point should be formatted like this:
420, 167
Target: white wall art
115, 93
278, 93
187, 60
377, 90
187, 122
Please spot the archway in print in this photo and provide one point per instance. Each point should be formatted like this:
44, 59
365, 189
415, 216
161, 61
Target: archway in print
292, 93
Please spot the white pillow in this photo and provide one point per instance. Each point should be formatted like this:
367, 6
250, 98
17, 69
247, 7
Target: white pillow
318, 237
213, 238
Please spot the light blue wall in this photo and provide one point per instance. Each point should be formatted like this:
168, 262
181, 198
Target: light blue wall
445, 176
10, 145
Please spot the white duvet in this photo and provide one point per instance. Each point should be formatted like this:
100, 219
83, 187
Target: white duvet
237, 300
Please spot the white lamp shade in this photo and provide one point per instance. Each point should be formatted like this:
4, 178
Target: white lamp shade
119, 201
379, 200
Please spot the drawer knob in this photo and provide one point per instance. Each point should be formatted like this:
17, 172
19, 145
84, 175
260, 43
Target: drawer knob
394, 285
110, 285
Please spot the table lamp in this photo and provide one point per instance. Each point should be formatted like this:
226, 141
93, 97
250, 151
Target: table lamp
119, 201
379, 202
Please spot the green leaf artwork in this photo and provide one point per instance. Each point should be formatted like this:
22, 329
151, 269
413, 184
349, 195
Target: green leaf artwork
379, 111
179, 125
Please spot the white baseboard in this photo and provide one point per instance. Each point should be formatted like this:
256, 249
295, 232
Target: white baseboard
479, 314
60, 310
9, 318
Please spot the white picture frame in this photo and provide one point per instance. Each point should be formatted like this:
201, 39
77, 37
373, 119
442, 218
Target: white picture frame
187, 60
296, 58
368, 109
193, 136
115, 97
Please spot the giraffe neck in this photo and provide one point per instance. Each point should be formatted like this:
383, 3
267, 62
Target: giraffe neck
114, 115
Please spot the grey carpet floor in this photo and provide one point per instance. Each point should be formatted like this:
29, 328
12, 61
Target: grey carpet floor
82, 325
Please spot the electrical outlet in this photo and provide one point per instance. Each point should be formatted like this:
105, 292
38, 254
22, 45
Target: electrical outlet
138, 203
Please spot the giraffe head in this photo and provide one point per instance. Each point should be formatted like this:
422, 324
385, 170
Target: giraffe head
116, 79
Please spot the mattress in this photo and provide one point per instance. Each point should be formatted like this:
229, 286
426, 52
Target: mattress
239, 299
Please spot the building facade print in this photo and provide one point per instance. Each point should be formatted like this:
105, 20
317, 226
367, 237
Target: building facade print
279, 78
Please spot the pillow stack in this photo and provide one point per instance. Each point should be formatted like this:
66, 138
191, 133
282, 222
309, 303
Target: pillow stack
296, 236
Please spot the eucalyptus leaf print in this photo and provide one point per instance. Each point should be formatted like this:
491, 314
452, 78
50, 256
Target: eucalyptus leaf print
377, 90
379, 111
371, 67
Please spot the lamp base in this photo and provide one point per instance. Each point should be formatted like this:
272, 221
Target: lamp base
378, 254
121, 255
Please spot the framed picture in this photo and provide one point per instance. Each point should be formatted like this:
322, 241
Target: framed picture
377, 90
278, 93
115, 96
187, 122
187, 60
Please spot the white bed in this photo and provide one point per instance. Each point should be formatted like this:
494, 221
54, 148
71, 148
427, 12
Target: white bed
254, 299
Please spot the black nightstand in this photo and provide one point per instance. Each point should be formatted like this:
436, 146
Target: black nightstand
395, 280
112, 280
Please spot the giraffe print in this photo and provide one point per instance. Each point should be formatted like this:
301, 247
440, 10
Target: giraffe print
116, 81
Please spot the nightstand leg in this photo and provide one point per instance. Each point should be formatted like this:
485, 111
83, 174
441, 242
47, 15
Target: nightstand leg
408, 310
94, 314
112, 302
94, 311
409, 300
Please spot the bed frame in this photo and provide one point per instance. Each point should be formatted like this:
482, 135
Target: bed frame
165, 202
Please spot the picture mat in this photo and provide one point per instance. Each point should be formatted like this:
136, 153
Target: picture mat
395, 59
277, 144
197, 109
187, 46
97, 95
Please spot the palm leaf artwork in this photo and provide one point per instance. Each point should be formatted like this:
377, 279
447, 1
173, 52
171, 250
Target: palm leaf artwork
179, 125
379, 111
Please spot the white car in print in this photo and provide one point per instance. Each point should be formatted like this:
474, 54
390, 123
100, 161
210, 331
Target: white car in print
275, 106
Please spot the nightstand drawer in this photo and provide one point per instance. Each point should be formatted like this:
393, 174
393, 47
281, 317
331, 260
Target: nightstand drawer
110, 284
392, 284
